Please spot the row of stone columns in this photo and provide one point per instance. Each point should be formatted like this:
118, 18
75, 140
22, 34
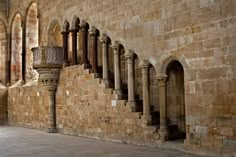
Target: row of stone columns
117, 76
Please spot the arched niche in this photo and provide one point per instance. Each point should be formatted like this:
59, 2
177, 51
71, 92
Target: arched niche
54, 34
3, 53
32, 32
175, 100
16, 49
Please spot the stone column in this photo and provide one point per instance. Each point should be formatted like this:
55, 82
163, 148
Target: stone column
131, 92
84, 32
116, 52
146, 106
74, 34
104, 41
93, 35
65, 35
52, 112
163, 111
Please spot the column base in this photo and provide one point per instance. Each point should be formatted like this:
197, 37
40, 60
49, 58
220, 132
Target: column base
163, 134
87, 66
117, 91
132, 104
52, 130
106, 82
66, 64
147, 117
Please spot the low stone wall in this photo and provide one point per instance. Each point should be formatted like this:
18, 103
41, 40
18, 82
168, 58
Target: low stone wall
3, 105
86, 108
28, 107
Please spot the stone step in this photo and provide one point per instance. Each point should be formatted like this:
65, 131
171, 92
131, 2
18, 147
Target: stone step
150, 129
108, 91
135, 115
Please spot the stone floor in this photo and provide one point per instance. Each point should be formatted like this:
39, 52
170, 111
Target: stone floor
21, 142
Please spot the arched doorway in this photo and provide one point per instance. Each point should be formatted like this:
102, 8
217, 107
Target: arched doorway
16, 49
54, 34
175, 100
32, 30
3, 53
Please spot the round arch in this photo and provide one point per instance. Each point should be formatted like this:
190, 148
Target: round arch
32, 38
16, 48
161, 69
54, 34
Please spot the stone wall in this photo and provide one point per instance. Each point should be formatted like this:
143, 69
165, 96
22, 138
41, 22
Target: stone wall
3, 105
86, 108
200, 34
28, 107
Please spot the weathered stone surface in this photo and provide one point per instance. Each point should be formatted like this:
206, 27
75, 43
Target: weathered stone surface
198, 33
3, 105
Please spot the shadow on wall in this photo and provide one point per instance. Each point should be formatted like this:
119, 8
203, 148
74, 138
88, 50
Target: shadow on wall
3, 104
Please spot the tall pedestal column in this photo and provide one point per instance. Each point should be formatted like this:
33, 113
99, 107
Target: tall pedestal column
146, 106
65, 35
48, 61
131, 92
93, 36
163, 112
52, 112
84, 32
74, 46
104, 41
116, 52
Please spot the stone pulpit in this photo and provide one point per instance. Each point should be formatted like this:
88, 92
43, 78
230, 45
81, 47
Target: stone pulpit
48, 61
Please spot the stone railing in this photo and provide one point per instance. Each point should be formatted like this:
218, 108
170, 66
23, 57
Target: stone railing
47, 57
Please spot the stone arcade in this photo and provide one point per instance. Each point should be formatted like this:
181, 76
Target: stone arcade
143, 72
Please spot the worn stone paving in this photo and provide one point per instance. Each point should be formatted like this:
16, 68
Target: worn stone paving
22, 142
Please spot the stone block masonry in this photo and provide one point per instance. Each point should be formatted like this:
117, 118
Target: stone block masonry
86, 108
200, 34
28, 107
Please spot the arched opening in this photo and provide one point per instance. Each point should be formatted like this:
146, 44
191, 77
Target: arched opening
99, 55
32, 31
175, 100
153, 88
3, 53
16, 49
138, 89
123, 71
54, 34
70, 47
110, 56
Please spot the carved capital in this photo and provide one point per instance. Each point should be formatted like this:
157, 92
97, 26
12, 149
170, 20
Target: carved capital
65, 32
129, 57
104, 39
162, 78
93, 32
84, 26
115, 47
144, 64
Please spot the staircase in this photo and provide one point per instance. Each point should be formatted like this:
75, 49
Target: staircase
120, 101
